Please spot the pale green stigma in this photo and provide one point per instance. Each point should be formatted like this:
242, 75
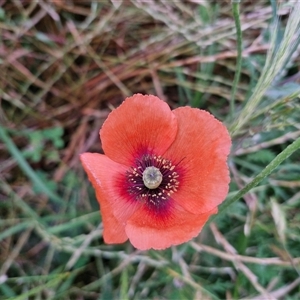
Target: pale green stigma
152, 177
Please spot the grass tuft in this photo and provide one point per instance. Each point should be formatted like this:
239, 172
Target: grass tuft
66, 64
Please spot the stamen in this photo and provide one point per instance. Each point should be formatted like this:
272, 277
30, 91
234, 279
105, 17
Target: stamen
153, 180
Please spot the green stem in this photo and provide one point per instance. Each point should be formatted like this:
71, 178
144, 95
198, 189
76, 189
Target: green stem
262, 175
236, 16
16, 153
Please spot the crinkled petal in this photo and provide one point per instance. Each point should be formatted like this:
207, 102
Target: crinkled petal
201, 148
142, 123
147, 230
107, 178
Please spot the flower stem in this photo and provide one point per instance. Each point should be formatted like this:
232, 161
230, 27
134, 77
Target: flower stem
236, 16
262, 175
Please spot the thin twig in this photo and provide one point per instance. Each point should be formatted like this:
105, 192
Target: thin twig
266, 261
238, 263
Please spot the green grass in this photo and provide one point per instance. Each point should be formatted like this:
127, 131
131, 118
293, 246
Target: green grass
66, 64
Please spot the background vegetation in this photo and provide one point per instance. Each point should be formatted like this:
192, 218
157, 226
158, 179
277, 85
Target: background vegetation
66, 64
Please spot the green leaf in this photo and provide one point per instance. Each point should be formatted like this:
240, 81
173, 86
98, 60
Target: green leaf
263, 156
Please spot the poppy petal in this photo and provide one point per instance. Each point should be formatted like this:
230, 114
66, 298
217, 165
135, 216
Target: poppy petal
113, 230
201, 148
106, 178
141, 124
146, 230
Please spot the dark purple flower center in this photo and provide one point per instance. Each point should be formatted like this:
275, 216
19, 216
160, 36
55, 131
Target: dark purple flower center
152, 180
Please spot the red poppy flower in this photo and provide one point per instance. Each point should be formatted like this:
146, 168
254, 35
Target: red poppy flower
163, 173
